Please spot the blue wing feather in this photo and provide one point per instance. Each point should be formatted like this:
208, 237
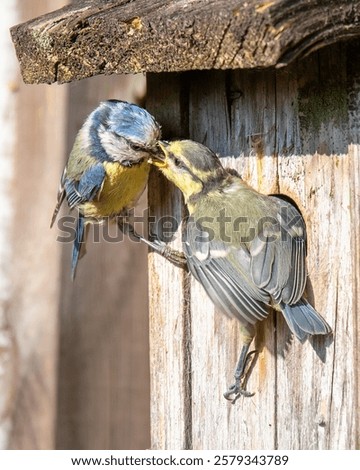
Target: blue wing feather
84, 190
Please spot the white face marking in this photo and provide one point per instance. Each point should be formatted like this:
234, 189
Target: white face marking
118, 148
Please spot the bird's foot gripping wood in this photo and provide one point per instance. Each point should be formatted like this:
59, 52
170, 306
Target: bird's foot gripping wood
168, 253
241, 376
157, 245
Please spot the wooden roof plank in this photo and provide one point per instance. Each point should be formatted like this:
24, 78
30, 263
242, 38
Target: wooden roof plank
120, 36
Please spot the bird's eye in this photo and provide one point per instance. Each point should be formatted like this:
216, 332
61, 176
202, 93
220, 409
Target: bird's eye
135, 147
177, 162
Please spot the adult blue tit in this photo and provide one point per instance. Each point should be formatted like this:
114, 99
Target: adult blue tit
108, 168
247, 250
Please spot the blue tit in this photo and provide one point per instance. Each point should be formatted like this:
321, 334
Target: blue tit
247, 250
107, 169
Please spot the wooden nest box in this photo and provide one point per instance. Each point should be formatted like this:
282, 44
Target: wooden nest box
276, 86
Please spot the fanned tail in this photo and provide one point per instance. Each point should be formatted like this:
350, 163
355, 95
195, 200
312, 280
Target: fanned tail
303, 320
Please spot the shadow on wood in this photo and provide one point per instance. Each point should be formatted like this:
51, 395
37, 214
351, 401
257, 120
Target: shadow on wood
306, 117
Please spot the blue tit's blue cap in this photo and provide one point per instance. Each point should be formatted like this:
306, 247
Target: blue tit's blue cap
127, 120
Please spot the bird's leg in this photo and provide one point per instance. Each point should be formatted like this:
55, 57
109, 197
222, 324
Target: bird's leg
167, 252
157, 245
239, 387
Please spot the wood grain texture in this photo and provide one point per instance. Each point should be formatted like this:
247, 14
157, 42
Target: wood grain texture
170, 324
8, 351
294, 132
28, 336
103, 375
74, 362
96, 37
217, 345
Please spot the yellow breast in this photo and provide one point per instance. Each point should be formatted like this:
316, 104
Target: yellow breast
121, 189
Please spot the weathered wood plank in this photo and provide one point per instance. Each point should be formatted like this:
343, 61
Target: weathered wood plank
216, 339
353, 69
313, 179
295, 134
170, 326
354, 171
96, 37
8, 356
33, 124
103, 363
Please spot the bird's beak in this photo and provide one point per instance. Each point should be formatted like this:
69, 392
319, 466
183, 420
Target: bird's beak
163, 145
158, 158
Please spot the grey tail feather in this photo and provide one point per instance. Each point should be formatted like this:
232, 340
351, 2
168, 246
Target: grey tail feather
303, 320
79, 240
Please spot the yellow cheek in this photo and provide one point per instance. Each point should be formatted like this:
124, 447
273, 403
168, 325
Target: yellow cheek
183, 181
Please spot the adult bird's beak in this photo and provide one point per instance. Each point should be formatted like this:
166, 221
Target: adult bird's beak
158, 158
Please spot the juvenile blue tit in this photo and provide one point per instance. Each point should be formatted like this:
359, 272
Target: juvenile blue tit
247, 250
107, 169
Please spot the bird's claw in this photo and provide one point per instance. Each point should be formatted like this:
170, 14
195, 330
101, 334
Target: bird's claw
235, 391
238, 389
176, 257
166, 251
172, 255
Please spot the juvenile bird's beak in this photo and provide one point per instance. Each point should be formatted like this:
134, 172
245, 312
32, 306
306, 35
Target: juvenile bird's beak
163, 145
158, 158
